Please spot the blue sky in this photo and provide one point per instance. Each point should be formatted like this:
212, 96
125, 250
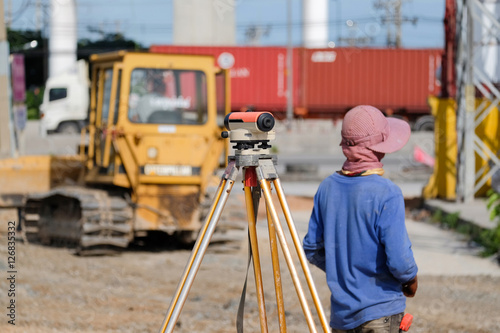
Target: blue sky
150, 21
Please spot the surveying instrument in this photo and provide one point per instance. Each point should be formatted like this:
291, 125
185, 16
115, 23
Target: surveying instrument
251, 132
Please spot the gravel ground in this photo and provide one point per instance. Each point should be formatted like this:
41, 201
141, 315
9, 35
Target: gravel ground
57, 291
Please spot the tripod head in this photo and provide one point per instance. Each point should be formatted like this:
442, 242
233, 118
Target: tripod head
248, 129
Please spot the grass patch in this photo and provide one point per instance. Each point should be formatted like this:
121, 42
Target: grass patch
489, 239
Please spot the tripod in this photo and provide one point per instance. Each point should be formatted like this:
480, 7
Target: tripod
259, 172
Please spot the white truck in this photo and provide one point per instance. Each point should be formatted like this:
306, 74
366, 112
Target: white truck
66, 101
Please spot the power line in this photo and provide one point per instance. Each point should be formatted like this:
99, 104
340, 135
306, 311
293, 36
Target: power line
364, 24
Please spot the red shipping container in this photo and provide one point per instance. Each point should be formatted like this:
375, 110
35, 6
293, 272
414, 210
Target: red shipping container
258, 74
394, 80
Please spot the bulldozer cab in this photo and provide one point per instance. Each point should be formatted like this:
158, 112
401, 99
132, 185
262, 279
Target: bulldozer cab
154, 132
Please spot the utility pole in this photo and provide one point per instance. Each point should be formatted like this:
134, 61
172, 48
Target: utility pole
5, 120
397, 22
393, 20
39, 15
289, 65
9, 14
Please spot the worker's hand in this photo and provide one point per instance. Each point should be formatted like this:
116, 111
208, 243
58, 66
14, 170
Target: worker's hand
410, 287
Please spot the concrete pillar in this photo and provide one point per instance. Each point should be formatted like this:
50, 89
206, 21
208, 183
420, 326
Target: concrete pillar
315, 17
63, 37
201, 22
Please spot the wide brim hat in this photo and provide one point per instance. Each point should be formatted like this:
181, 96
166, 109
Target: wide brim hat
366, 126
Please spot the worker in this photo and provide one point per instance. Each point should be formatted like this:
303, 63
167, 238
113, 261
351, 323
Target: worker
357, 231
158, 104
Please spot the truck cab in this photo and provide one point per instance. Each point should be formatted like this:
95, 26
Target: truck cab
66, 101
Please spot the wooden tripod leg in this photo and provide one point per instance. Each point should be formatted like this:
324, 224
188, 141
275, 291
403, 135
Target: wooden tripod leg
301, 255
288, 257
273, 243
199, 249
251, 212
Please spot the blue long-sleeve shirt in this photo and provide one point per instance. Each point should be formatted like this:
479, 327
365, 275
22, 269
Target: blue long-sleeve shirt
357, 235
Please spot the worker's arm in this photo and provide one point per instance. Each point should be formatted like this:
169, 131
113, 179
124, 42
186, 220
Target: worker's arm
315, 254
410, 287
393, 234
313, 244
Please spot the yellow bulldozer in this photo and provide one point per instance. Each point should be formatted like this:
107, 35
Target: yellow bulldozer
149, 152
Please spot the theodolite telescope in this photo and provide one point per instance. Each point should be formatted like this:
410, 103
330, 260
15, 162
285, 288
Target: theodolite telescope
247, 129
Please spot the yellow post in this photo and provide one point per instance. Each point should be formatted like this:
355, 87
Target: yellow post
442, 184
487, 143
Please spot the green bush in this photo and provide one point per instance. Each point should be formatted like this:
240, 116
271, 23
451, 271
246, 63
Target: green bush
490, 239
451, 220
34, 98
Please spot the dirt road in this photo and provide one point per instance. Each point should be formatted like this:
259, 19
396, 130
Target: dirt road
56, 291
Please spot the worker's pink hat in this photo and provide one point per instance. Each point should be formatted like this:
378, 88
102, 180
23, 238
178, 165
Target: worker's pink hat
366, 126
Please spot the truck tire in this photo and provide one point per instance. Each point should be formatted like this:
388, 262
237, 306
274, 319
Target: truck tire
68, 128
424, 123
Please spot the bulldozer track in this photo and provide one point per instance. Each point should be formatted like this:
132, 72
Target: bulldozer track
90, 220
